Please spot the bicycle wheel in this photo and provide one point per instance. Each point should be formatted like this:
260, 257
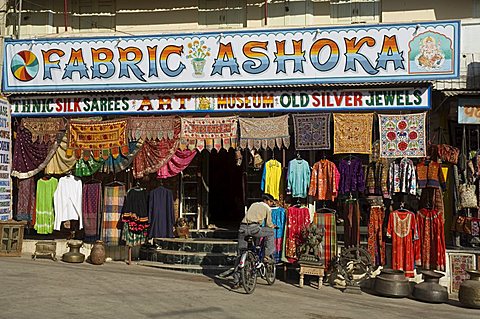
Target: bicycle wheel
248, 274
270, 272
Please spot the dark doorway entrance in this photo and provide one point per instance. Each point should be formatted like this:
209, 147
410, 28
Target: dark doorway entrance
226, 204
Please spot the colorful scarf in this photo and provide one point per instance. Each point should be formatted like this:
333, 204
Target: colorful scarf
312, 131
112, 208
153, 128
209, 132
99, 138
326, 222
352, 133
402, 135
60, 163
45, 129
266, 132
88, 167
123, 161
179, 161
91, 208
26, 201
30, 157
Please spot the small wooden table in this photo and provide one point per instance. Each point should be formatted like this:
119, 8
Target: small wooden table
312, 270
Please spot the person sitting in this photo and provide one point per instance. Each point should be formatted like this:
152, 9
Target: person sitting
257, 223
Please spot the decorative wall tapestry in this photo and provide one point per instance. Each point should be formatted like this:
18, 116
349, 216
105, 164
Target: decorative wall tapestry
402, 135
352, 133
31, 157
266, 132
102, 139
459, 262
60, 163
209, 132
312, 131
45, 129
153, 128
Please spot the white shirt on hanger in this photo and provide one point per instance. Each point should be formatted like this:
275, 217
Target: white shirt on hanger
67, 201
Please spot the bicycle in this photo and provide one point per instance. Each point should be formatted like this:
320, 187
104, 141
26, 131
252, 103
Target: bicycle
251, 264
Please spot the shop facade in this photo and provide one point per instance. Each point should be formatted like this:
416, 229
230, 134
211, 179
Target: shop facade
217, 118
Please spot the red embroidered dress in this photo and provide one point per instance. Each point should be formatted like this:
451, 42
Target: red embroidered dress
402, 228
297, 219
432, 239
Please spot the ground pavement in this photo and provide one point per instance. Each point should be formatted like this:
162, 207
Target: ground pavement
47, 289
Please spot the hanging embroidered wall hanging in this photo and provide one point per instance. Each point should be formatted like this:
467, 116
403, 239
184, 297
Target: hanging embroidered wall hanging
151, 128
352, 133
402, 135
209, 133
44, 129
265, 132
99, 138
312, 131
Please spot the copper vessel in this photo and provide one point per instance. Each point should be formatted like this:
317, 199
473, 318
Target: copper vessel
74, 255
469, 293
97, 255
430, 290
392, 283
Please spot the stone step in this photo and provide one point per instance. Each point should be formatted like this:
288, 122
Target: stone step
204, 245
193, 258
204, 269
215, 233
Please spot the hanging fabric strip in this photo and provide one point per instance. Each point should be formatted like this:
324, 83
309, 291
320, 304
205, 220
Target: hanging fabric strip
60, 162
312, 131
208, 132
153, 155
104, 136
179, 161
30, 157
123, 161
352, 133
44, 129
153, 128
402, 135
266, 132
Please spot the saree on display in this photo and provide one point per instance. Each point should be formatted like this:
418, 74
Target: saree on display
101, 138
402, 135
353, 133
266, 132
209, 133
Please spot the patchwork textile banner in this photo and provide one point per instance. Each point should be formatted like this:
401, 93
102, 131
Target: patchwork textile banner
209, 133
44, 129
352, 133
459, 263
312, 131
265, 132
99, 138
151, 128
402, 135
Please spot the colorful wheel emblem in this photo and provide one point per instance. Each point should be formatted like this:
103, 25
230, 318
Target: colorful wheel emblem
24, 66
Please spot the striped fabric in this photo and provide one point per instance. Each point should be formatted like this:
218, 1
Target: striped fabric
327, 222
112, 208
278, 218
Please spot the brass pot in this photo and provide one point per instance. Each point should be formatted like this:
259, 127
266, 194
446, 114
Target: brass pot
469, 293
430, 290
97, 255
392, 283
74, 255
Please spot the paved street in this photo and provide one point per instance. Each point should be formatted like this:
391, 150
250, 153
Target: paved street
46, 289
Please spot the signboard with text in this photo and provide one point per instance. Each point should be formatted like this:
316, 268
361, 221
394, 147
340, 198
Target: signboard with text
350, 54
5, 161
256, 101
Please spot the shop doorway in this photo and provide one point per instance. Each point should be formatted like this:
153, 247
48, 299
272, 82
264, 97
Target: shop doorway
225, 198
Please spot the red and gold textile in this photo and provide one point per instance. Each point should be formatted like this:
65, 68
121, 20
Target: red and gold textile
376, 242
209, 133
431, 231
45, 129
97, 138
297, 219
153, 128
352, 133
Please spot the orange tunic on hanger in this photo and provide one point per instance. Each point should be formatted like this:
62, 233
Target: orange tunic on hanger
324, 180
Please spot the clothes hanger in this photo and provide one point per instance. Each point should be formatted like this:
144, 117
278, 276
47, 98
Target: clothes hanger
402, 209
299, 157
115, 182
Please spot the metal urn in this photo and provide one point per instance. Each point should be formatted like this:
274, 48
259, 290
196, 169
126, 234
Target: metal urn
469, 293
392, 283
74, 255
430, 290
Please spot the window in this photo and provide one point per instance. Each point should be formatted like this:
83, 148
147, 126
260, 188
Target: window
222, 13
93, 15
354, 11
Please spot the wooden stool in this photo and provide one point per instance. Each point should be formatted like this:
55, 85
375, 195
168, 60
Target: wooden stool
312, 270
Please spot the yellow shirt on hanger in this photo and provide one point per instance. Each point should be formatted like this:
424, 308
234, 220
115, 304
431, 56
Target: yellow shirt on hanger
272, 174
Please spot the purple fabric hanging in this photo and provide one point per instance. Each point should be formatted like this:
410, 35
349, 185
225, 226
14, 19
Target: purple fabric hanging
351, 176
91, 207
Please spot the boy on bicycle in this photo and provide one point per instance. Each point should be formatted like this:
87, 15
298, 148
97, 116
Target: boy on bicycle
253, 225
